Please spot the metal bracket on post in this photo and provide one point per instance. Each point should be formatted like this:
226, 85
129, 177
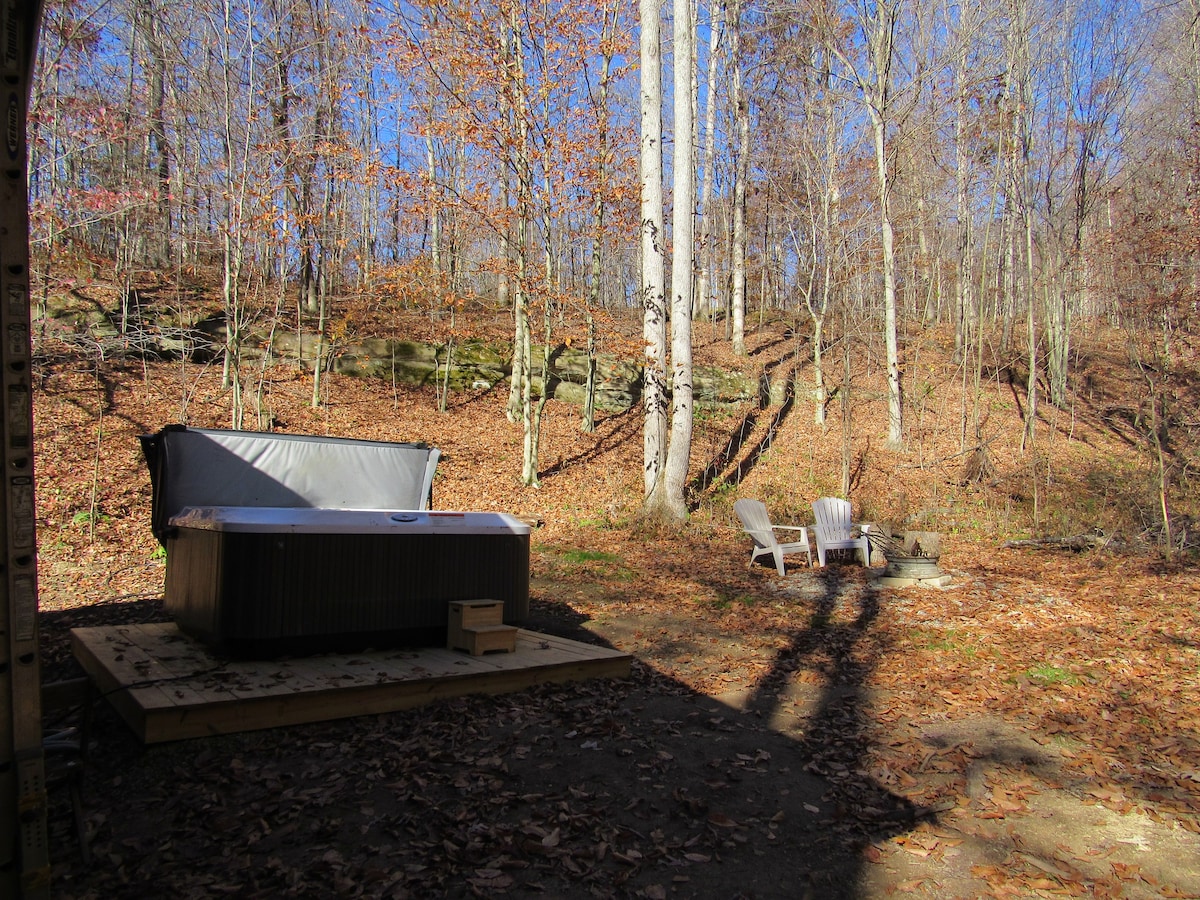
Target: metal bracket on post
24, 854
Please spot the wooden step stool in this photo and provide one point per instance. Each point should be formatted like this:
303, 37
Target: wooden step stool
477, 626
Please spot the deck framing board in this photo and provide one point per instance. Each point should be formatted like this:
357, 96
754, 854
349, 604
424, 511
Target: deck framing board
168, 687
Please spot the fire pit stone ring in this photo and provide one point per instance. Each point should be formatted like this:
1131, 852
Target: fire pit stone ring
911, 559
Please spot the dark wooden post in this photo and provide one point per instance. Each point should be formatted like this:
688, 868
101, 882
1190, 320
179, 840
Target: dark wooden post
24, 854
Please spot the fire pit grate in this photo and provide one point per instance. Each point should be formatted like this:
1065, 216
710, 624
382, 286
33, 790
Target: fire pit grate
911, 559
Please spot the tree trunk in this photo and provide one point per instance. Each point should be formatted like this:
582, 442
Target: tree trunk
238, 153
966, 315
518, 393
667, 504
522, 164
588, 418
741, 116
653, 274
159, 161
1020, 94
882, 46
890, 327
704, 285
432, 213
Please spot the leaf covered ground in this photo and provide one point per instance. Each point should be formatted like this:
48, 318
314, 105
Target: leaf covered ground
1032, 730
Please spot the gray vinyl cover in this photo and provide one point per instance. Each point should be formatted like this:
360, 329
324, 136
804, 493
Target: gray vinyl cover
214, 467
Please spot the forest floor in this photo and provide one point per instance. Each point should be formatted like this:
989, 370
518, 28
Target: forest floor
1031, 730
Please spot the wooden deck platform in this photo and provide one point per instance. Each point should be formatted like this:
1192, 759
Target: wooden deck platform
168, 686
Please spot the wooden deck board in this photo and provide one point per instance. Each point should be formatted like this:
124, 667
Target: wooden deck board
167, 686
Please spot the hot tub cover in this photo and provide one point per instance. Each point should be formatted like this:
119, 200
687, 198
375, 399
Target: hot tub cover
198, 467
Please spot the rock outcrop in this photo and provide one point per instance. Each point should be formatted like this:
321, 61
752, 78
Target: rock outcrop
473, 365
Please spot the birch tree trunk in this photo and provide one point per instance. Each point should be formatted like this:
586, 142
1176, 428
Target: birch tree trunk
653, 268
741, 117
667, 504
704, 286
881, 42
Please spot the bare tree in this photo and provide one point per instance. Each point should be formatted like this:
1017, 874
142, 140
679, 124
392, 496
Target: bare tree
666, 502
1019, 95
653, 267
522, 367
741, 173
707, 171
1095, 58
965, 35
588, 417
818, 142
236, 43
876, 21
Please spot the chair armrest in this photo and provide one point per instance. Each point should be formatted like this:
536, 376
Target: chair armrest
791, 527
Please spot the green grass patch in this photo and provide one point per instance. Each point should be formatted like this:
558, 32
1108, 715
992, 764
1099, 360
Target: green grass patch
597, 523
84, 517
728, 601
949, 641
1051, 675
580, 557
570, 562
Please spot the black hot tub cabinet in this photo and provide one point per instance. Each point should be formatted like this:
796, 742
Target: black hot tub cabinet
256, 581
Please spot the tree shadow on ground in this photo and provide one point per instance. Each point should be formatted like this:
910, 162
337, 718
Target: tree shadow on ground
838, 716
639, 787
615, 429
108, 379
720, 468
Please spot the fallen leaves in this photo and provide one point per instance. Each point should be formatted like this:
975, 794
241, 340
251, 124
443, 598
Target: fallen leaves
906, 731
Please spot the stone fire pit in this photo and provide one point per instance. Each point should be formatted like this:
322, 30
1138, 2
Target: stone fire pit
912, 560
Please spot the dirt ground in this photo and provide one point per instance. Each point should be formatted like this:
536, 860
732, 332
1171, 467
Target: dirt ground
731, 764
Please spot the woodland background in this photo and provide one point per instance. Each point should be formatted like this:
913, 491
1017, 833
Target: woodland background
206, 180
1018, 173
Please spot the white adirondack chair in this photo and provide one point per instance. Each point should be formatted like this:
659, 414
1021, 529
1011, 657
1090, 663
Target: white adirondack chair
835, 531
758, 525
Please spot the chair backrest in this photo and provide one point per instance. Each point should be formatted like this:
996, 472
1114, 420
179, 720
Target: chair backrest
832, 515
755, 520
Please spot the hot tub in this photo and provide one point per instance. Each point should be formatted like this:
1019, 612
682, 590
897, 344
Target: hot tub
255, 581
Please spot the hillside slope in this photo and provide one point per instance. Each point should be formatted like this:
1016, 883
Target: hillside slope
1092, 465
1032, 729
